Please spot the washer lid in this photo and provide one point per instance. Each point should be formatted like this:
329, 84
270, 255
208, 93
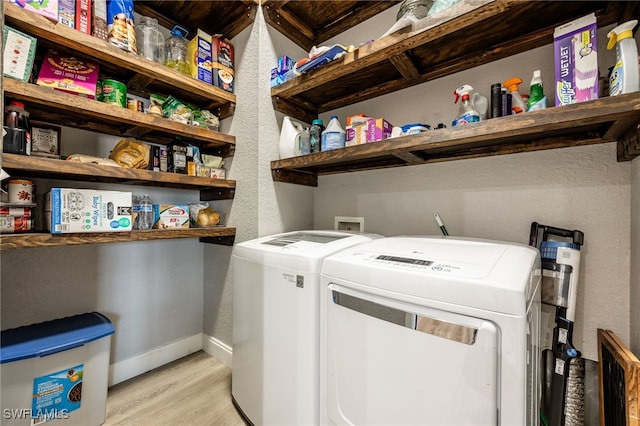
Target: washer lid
485, 274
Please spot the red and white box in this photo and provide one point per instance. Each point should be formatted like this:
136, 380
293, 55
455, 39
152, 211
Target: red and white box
83, 16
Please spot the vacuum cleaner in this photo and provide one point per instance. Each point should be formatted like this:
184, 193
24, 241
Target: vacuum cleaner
560, 256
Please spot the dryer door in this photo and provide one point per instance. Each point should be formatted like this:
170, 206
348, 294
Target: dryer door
389, 362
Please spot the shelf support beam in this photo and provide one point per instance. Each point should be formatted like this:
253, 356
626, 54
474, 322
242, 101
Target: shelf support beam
294, 176
405, 65
629, 144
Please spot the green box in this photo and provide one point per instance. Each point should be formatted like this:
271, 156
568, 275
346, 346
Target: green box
19, 51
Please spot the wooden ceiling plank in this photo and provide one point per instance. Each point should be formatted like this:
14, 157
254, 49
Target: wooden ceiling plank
357, 16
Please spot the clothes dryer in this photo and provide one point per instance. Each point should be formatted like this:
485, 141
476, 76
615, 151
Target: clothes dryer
430, 331
276, 330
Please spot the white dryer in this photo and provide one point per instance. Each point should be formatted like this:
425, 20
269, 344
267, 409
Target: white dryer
276, 324
430, 331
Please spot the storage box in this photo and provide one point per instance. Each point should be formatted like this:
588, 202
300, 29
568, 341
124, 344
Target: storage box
19, 51
169, 216
46, 8
366, 130
199, 54
575, 50
69, 74
222, 57
69, 210
56, 372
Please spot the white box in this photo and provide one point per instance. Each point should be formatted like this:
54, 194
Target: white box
44, 365
170, 216
69, 210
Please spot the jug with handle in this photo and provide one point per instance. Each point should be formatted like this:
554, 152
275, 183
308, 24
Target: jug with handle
294, 138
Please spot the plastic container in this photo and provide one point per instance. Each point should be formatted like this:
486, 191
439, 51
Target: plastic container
624, 77
176, 50
145, 213
150, 40
537, 99
294, 138
16, 123
315, 135
517, 103
334, 136
57, 370
467, 113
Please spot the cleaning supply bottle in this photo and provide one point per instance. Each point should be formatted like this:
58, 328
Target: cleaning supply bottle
466, 113
334, 136
537, 99
517, 103
315, 135
624, 77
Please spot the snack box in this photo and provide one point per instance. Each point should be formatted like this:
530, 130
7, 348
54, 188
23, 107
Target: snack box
69, 74
70, 210
199, 54
575, 49
170, 216
46, 8
366, 130
222, 57
83, 16
19, 51
67, 13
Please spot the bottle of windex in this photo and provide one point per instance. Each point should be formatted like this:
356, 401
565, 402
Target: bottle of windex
466, 113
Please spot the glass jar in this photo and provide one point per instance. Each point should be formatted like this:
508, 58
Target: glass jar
176, 50
150, 39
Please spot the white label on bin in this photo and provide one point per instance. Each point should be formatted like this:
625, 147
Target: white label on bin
56, 395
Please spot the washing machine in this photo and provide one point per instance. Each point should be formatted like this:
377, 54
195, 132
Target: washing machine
430, 331
276, 314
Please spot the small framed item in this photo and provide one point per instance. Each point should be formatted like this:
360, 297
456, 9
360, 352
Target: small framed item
19, 51
45, 140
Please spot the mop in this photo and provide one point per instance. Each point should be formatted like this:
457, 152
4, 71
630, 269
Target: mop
563, 390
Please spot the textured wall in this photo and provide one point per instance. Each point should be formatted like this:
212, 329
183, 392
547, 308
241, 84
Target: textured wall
634, 292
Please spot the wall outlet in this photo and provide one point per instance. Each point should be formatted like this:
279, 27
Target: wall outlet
346, 223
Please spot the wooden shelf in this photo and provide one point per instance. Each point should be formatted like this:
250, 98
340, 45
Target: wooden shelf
140, 75
497, 30
218, 235
39, 167
604, 120
48, 105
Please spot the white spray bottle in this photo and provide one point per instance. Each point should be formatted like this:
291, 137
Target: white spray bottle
466, 113
624, 77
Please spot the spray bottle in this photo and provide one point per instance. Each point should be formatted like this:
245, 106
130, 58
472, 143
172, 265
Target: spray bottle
466, 113
517, 103
537, 99
624, 77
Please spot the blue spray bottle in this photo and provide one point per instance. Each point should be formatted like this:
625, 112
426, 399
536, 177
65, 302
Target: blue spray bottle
466, 113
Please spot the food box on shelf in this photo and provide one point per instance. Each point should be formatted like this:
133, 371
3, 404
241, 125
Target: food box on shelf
69, 74
170, 216
46, 8
365, 130
223, 70
67, 13
70, 210
19, 51
199, 54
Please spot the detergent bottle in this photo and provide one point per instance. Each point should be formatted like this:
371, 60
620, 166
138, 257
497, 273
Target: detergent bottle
624, 77
294, 138
466, 113
537, 99
517, 103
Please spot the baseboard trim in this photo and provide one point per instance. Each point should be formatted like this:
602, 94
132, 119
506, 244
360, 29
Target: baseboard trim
217, 349
136, 365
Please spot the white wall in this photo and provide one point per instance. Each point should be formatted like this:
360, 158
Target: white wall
634, 293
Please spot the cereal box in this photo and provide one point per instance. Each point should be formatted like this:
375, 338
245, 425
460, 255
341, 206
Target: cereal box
19, 51
199, 54
46, 8
99, 27
222, 57
83, 16
67, 13
69, 74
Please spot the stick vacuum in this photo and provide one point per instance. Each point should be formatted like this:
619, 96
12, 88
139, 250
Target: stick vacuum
560, 255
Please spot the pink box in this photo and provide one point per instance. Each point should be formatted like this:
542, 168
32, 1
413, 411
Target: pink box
46, 8
368, 130
69, 74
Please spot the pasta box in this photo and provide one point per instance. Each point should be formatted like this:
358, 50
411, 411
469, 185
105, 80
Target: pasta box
69, 74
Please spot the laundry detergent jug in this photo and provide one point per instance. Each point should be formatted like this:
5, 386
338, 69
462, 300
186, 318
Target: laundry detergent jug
294, 138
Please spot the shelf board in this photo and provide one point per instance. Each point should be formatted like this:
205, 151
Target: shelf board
137, 72
404, 59
39, 167
219, 235
52, 106
603, 120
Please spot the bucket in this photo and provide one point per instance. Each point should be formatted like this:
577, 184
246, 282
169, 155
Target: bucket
294, 139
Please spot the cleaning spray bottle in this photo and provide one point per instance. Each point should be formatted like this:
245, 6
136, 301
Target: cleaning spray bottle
466, 113
517, 103
537, 99
624, 77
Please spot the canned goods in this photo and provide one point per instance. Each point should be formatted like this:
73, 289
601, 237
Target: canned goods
20, 191
114, 92
15, 211
135, 105
15, 224
99, 96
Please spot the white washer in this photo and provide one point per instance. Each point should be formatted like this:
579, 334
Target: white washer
276, 330
430, 331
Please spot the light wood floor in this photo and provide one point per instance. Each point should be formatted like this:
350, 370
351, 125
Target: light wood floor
194, 391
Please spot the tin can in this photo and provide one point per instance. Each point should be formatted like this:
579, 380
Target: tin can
134, 105
20, 191
15, 224
99, 96
15, 211
114, 92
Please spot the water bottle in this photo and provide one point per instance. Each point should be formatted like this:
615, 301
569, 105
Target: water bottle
145, 213
315, 135
334, 136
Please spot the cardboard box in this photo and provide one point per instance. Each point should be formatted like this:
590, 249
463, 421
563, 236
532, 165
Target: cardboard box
83, 16
366, 130
169, 216
46, 8
69, 210
575, 50
69, 74
99, 26
67, 13
45, 140
19, 51
222, 57
199, 54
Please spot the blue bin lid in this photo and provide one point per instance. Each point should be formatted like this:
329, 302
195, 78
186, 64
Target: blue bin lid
54, 336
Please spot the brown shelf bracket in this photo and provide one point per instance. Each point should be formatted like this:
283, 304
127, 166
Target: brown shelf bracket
629, 144
222, 240
294, 176
217, 194
405, 65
